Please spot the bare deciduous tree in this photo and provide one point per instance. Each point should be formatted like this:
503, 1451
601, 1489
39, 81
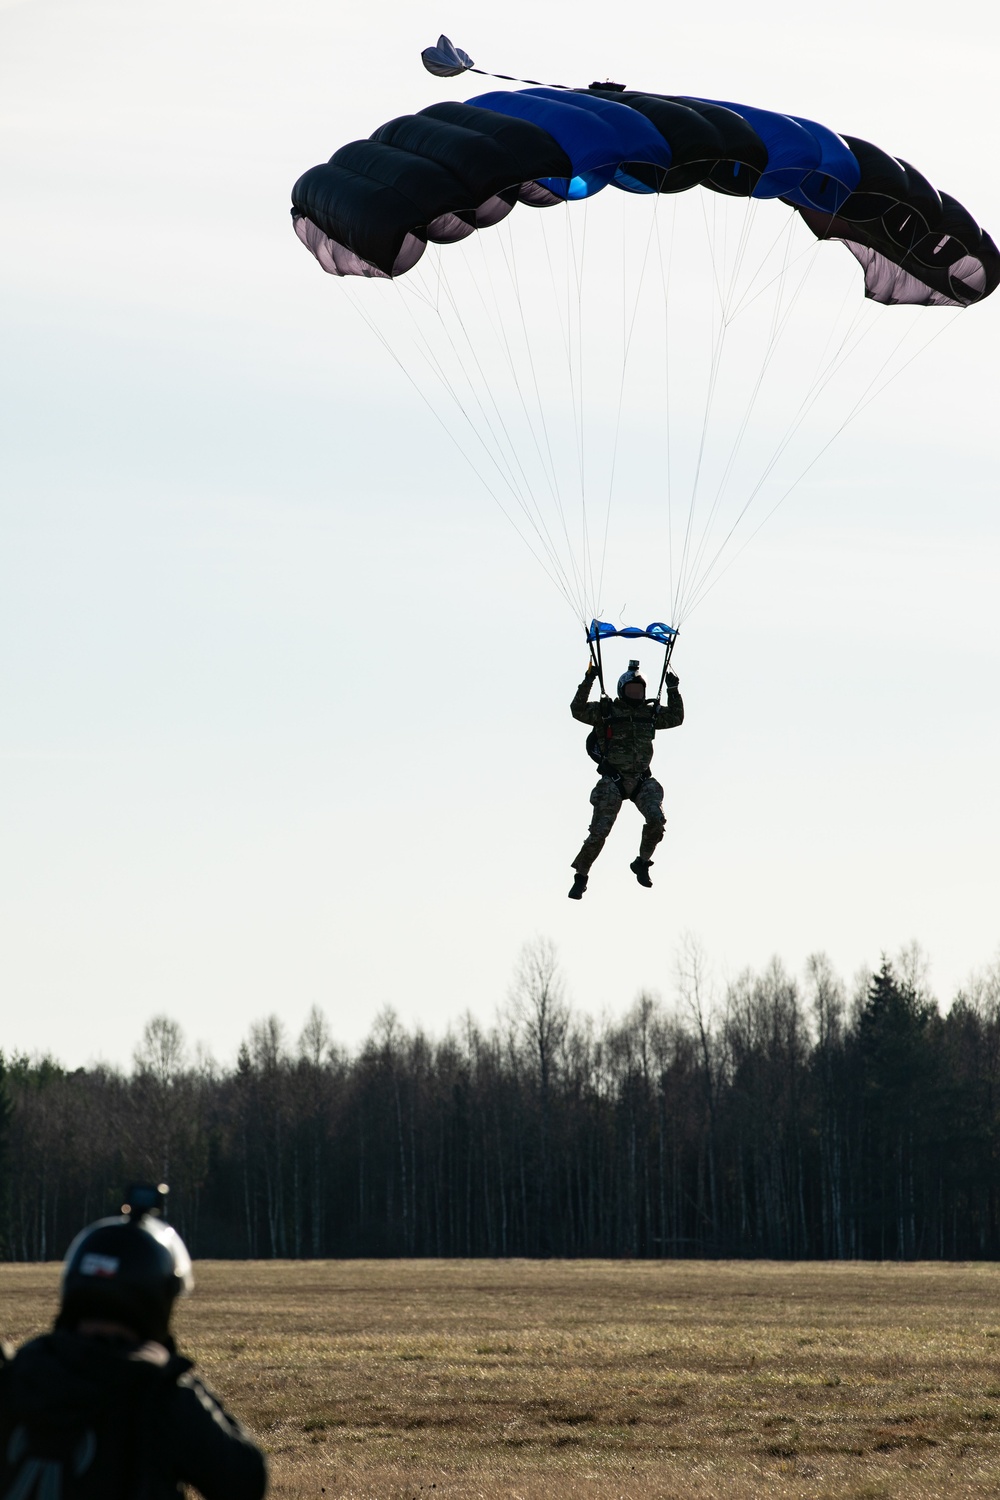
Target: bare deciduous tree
538, 999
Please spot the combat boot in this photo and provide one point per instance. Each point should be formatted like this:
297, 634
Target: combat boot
640, 869
579, 886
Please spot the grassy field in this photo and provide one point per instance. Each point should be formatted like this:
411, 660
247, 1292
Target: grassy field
449, 1380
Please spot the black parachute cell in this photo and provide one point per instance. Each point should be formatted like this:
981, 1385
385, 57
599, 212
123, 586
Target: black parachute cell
743, 159
487, 163
706, 141
435, 175
916, 245
532, 151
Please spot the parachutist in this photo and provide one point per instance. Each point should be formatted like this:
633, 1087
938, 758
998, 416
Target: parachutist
621, 742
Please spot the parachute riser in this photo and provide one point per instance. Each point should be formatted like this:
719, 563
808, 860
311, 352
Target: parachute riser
594, 646
668, 652
595, 656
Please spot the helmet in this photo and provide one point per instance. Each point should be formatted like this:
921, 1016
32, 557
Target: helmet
632, 675
128, 1270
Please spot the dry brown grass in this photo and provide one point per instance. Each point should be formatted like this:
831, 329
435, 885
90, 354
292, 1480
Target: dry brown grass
448, 1380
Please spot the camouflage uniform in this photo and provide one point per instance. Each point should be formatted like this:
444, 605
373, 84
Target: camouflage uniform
625, 735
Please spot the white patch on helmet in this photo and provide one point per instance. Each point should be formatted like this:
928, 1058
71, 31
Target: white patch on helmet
99, 1265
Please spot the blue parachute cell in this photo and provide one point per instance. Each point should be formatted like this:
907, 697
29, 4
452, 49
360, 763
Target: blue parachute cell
595, 134
792, 151
829, 186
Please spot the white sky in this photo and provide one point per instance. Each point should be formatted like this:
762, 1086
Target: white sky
284, 701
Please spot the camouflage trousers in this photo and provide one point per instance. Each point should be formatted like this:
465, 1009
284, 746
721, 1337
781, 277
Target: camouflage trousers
606, 800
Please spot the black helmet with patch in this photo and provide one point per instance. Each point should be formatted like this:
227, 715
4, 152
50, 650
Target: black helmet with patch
127, 1270
632, 675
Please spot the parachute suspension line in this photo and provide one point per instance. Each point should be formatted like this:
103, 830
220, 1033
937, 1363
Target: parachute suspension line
574, 320
822, 375
628, 329
821, 362
774, 332
506, 244
553, 576
709, 234
665, 302
549, 466
865, 399
848, 345
499, 324
725, 297
506, 450
742, 246
809, 252
618, 415
500, 458
716, 357
867, 396
537, 519
779, 323
521, 491
742, 249
718, 344
565, 327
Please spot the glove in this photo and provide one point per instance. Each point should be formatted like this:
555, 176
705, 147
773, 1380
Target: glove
590, 672
672, 681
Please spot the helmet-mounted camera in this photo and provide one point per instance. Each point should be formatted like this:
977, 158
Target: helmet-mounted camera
142, 1198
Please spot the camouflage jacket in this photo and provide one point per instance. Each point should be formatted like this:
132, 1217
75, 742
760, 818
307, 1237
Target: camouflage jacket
625, 732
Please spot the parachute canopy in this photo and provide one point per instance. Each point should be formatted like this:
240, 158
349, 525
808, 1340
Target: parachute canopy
453, 168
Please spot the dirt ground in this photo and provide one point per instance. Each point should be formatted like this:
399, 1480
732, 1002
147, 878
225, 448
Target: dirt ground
455, 1380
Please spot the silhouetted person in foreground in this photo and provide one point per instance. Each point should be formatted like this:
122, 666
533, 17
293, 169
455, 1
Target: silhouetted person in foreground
103, 1407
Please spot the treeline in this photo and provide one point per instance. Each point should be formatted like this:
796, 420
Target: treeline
780, 1118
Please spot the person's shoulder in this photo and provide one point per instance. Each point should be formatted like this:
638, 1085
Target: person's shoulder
89, 1359
159, 1357
156, 1363
192, 1389
43, 1369
40, 1349
195, 1388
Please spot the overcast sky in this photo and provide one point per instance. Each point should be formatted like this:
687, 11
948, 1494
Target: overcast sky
284, 699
